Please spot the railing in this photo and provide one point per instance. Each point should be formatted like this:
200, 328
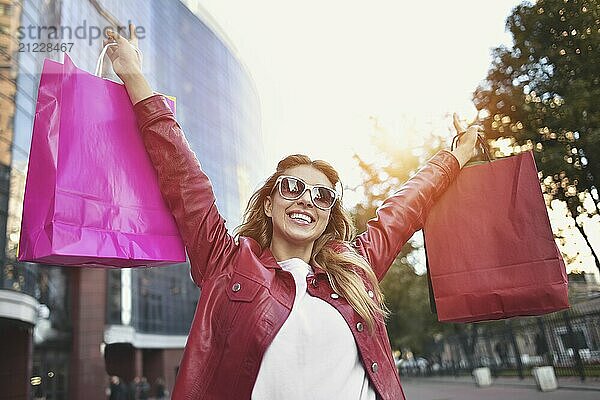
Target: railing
568, 340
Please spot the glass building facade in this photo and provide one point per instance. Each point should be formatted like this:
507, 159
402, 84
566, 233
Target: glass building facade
186, 56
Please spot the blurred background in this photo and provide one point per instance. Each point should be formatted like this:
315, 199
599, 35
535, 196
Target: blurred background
369, 88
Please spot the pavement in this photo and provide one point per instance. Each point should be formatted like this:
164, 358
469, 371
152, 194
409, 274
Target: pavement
465, 389
569, 383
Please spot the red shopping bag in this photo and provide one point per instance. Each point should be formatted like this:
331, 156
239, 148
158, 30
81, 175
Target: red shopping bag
92, 196
490, 249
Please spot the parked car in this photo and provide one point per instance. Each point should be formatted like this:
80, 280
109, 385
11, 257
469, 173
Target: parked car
413, 366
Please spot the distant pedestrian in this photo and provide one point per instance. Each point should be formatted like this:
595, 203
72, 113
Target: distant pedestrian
160, 389
117, 390
502, 351
143, 389
541, 347
133, 392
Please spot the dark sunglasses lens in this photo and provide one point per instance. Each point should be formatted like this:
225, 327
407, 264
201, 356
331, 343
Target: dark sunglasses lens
291, 188
323, 197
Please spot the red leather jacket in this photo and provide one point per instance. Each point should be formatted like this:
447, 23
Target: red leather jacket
246, 297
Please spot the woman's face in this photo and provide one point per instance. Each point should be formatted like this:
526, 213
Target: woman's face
289, 226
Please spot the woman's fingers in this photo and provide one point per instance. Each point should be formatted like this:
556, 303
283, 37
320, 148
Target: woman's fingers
467, 136
115, 36
460, 128
479, 128
123, 53
105, 43
134, 40
110, 51
132, 35
457, 124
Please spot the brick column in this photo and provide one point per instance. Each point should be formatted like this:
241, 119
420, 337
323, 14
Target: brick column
88, 378
120, 361
172, 358
154, 365
139, 362
15, 362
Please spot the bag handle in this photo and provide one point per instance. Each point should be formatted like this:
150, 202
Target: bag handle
100, 62
480, 141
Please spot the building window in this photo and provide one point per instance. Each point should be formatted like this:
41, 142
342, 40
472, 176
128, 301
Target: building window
6, 9
4, 56
114, 297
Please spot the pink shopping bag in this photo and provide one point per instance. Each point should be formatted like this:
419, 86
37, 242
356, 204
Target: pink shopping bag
92, 196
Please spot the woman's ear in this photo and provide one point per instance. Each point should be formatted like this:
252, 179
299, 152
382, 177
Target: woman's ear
268, 206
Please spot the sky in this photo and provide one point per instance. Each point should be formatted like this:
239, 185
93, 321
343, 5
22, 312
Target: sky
326, 70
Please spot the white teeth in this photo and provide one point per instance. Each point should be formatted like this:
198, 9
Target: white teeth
301, 217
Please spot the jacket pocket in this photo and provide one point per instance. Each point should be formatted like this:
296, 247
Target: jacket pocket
242, 288
235, 306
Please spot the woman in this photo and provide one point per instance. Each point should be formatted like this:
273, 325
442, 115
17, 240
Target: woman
291, 307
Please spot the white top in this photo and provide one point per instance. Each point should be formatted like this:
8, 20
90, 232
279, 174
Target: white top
314, 355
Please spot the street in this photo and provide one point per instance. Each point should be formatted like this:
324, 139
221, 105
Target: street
424, 389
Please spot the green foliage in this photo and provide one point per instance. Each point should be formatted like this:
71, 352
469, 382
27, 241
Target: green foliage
411, 324
543, 93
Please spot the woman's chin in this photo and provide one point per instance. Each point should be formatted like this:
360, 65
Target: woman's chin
301, 236
301, 239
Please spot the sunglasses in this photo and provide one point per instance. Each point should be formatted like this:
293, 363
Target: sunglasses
292, 188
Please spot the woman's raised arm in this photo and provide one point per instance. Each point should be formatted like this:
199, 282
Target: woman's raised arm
403, 213
184, 186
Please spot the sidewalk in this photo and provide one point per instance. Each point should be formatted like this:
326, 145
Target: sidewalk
572, 383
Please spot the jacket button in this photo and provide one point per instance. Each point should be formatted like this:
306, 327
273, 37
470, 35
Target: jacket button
335, 296
371, 294
359, 327
236, 287
374, 367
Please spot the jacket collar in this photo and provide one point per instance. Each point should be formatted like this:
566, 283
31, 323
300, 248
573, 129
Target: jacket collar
268, 260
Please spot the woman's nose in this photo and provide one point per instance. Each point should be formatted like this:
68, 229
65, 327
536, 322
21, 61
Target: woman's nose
305, 198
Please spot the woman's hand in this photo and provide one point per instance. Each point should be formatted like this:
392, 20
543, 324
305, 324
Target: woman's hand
125, 59
466, 142
127, 64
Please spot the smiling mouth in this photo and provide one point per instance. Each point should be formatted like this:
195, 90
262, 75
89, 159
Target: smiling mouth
301, 218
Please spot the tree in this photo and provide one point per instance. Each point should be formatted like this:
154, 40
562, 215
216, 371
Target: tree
542, 93
411, 324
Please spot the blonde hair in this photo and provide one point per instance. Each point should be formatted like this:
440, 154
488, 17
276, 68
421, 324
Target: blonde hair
331, 251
